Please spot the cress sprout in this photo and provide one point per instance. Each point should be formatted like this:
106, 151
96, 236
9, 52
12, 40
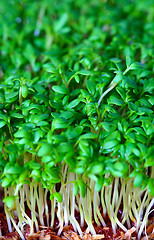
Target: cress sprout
76, 115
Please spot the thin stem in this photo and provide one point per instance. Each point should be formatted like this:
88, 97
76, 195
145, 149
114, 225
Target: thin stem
144, 222
10, 131
46, 206
63, 79
108, 90
70, 79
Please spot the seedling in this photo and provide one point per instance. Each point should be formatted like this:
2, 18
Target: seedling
76, 117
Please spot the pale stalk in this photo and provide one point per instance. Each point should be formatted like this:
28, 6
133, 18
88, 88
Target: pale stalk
96, 207
7, 213
65, 190
87, 218
72, 219
80, 210
102, 201
141, 211
144, 222
108, 191
60, 218
53, 208
40, 202
17, 229
95, 204
46, 206
33, 200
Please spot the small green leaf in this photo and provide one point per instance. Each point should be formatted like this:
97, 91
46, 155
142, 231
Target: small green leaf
99, 184
34, 165
138, 180
82, 188
88, 136
58, 196
128, 61
151, 186
59, 24
44, 149
85, 72
59, 89
96, 169
65, 147
106, 126
9, 200
75, 132
77, 79
91, 87
24, 91
14, 170
132, 107
73, 104
110, 144
6, 181
59, 123
75, 189
17, 115
2, 124
115, 100
11, 95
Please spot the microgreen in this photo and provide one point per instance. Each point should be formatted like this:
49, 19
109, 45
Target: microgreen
76, 112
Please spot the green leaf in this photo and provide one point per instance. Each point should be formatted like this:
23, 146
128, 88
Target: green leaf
110, 144
96, 169
59, 123
115, 100
6, 181
44, 149
151, 186
73, 104
65, 147
9, 201
14, 170
21, 133
151, 100
24, 91
73, 133
75, 189
106, 126
17, 115
58, 89
88, 136
91, 87
2, 124
77, 79
128, 61
85, 72
132, 107
59, 24
99, 184
34, 165
138, 180
58, 196
49, 67
11, 95
82, 188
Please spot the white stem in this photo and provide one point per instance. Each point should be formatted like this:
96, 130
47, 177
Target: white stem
144, 222
46, 206
60, 217
16, 228
102, 201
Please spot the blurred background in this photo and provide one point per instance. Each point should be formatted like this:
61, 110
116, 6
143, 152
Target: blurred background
33, 32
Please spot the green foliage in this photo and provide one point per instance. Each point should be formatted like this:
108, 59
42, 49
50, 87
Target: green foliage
76, 91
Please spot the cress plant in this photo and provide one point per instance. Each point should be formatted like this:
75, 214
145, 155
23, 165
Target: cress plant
76, 113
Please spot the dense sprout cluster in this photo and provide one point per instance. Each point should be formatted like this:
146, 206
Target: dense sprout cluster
76, 111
